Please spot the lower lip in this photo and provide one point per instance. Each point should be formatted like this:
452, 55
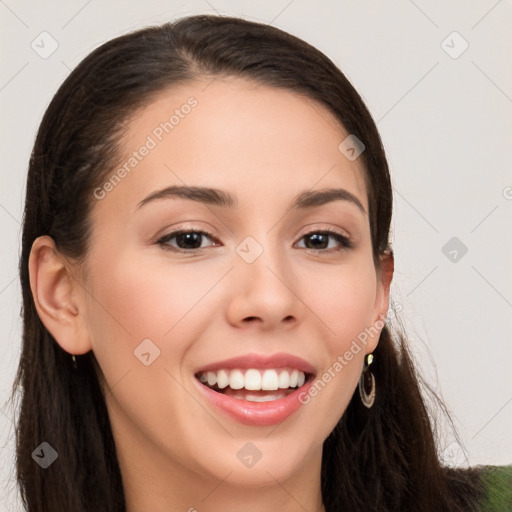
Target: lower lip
260, 414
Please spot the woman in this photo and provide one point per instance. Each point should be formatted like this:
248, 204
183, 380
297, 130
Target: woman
205, 272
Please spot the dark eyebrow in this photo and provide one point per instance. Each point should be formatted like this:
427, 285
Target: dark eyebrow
206, 195
313, 198
212, 196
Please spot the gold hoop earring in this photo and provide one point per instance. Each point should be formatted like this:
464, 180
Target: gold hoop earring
367, 380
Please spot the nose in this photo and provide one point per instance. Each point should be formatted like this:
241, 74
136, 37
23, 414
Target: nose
264, 293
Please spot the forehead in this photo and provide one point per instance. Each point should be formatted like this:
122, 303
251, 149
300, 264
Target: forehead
260, 142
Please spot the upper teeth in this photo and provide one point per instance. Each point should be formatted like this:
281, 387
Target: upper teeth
253, 379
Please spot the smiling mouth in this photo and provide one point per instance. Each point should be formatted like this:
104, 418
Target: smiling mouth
255, 385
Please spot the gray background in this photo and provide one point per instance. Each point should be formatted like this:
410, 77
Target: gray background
445, 119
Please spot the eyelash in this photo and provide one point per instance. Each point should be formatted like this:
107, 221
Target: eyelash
344, 241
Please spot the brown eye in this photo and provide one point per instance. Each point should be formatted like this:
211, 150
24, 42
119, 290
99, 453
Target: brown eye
185, 240
319, 241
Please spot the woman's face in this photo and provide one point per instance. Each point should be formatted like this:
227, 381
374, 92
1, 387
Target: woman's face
263, 285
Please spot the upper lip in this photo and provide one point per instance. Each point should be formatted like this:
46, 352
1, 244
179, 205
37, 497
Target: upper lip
260, 361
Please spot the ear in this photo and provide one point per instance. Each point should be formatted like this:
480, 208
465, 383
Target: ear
57, 296
385, 271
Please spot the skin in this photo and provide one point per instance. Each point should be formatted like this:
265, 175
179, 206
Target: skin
263, 146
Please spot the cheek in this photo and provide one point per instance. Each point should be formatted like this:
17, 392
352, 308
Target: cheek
344, 301
132, 301
133, 298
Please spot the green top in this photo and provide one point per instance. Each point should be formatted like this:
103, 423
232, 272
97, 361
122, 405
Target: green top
497, 489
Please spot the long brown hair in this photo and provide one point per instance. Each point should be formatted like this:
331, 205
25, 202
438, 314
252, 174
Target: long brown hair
378, 459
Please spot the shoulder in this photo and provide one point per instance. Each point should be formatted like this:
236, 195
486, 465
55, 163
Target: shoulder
496, 488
